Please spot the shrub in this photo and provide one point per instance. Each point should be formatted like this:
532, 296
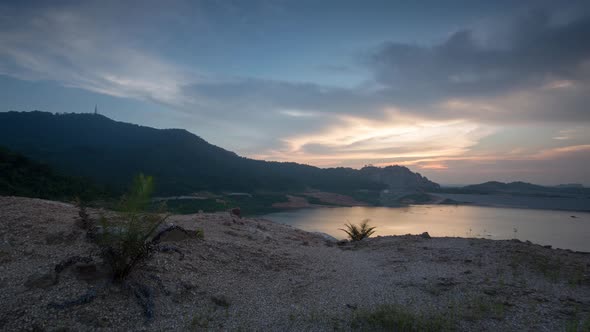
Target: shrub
358, 232
126, 242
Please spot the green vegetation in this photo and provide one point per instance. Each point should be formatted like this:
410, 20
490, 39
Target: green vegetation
315, 200
358, 232
550, 267
481, 307
578, 323
517, 189
124, 243
255, 204
372, 197
396, 318
20, 176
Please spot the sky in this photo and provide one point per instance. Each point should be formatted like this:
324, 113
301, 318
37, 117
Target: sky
459, 91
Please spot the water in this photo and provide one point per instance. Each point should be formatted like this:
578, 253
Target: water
546, 227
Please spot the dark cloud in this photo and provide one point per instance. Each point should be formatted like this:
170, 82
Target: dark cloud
532, 50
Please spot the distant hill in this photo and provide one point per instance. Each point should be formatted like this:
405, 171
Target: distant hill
111, 152
20, 176
519, 188
495, 186
399, 178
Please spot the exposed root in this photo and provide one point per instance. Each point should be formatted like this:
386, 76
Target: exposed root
144, 296
159, 282
71, 261
88, 297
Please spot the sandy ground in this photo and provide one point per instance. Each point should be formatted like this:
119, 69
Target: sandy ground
255, 275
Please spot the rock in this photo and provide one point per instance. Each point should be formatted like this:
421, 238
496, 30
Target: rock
547, 246
90, 271
567, 311
236, 212
490, 291
41, 280
446, 282
425, 235
5, 257
220, 300
173, 233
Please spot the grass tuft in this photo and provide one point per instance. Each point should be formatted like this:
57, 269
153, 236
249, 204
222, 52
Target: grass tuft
396, 318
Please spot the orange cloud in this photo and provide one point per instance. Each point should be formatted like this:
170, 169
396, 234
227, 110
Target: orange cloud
557, 152
356, 141
435, 166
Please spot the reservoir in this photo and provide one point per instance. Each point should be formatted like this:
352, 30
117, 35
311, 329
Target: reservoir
560, 229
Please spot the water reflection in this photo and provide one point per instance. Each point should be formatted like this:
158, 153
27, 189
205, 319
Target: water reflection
556, 228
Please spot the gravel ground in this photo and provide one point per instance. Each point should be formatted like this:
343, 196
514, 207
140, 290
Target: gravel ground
252, 274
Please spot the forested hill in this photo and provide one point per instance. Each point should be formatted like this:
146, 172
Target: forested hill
111, 152
20, 176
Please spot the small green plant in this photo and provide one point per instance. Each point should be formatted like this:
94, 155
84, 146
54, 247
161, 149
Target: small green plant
124, 243
125, 239
396, 318
478, 308
358, 232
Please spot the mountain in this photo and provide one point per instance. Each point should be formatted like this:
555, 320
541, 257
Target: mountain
20, 176
399, 178
495, 186
111, 152
520, 188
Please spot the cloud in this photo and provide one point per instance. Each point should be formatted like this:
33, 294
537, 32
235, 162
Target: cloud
69, 47
535, 49
536, 58
356, 141
561, 152
430, 106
